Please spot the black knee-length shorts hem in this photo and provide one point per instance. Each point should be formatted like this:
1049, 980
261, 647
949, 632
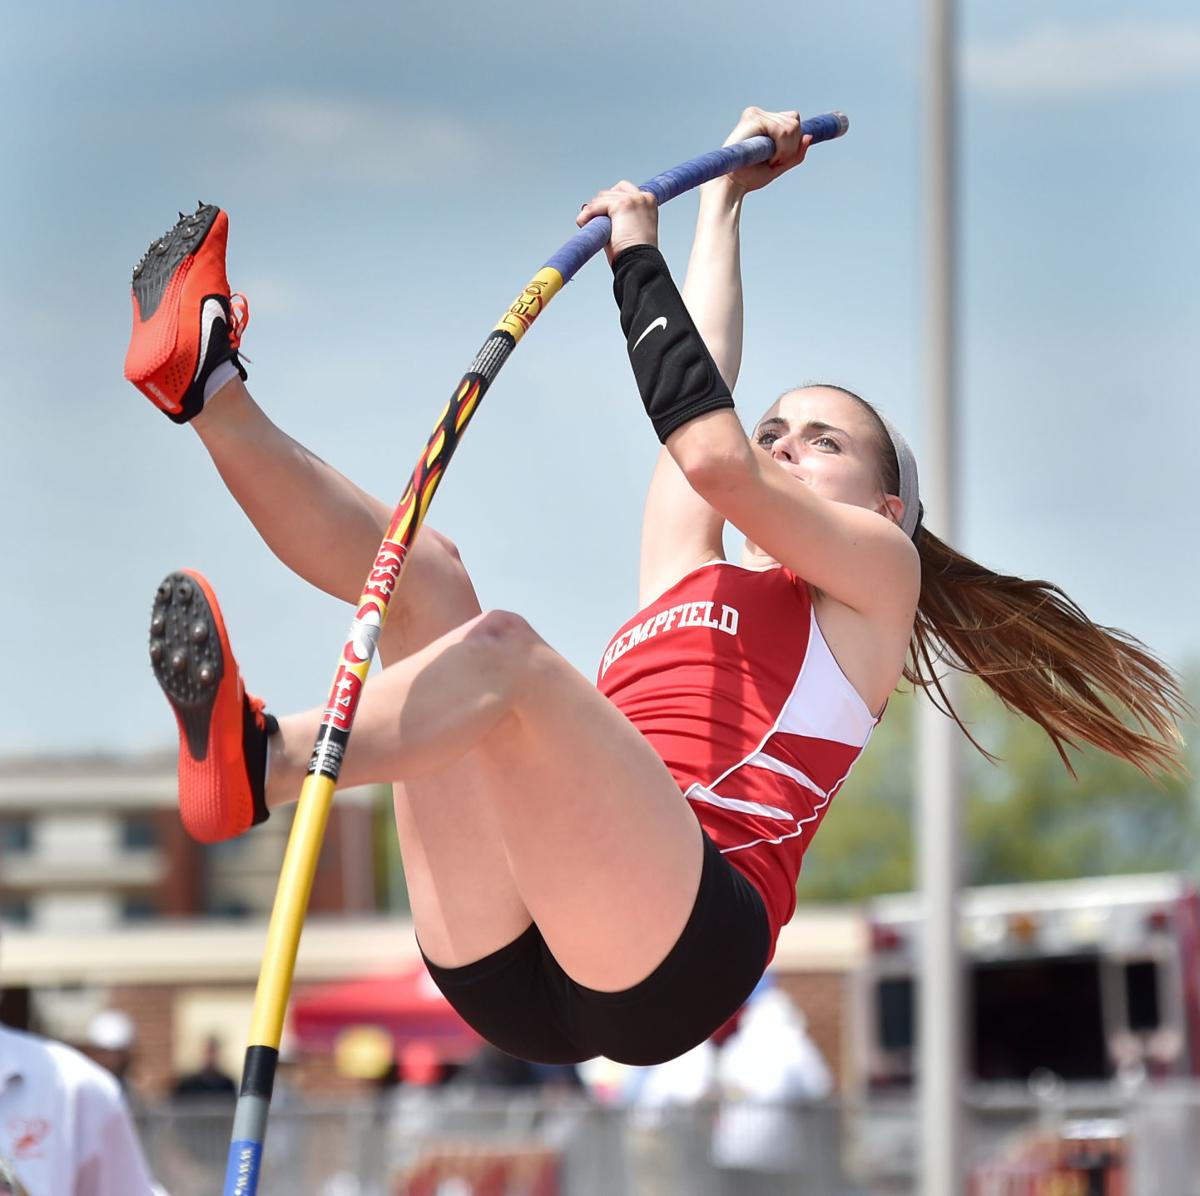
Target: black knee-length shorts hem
522, 1001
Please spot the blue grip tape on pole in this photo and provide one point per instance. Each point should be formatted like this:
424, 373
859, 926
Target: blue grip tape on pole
241, 1171
674, 182
826, 127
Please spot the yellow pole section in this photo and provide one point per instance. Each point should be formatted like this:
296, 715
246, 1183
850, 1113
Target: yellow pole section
287, 915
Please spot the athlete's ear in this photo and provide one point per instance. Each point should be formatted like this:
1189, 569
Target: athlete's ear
891, 508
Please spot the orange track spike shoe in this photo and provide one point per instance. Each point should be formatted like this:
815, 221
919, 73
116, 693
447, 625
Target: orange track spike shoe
223, 730
186, 324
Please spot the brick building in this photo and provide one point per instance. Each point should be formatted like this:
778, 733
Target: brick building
105, 902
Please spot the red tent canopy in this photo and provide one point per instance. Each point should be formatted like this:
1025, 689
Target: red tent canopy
407, 1004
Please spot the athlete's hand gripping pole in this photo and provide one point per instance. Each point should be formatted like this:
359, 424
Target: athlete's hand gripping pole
316, 794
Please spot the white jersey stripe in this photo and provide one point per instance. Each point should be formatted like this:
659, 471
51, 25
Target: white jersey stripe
800, 824
783, 723
758, 809
773, 842
762, 760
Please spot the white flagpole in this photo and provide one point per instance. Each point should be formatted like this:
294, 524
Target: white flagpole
941, 1012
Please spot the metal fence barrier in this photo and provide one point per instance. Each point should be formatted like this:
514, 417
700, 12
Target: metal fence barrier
421, 1143
418, 1142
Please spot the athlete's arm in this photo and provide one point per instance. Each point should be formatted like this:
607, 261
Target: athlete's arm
855, 555
679, 529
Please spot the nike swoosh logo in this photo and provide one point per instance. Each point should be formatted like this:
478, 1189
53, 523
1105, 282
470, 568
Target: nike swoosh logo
661, 322
210, 313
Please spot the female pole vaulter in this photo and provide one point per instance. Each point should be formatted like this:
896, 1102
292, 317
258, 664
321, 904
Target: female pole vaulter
604, 869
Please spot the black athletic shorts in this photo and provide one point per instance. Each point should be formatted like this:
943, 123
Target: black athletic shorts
521, 1000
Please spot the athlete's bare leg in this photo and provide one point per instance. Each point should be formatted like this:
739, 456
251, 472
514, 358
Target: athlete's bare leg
604, 850
323, 527
319, 523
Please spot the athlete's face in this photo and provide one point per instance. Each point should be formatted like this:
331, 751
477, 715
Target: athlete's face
826, 440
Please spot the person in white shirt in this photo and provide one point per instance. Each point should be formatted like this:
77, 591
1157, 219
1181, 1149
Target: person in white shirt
762, 1140
64, 1126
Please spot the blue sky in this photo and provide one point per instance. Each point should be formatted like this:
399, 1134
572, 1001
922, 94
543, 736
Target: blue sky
395, 173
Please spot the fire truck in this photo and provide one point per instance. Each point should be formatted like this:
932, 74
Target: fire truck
1082, 980
1071, 987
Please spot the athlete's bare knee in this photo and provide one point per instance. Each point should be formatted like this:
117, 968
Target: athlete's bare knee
504, 642
443, 543
445, 577
435, 596
514, 657
502, 631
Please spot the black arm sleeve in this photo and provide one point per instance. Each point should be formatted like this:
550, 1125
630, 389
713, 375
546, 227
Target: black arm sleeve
677, 378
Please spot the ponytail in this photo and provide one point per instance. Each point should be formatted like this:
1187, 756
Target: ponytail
1038, 653
1044, 658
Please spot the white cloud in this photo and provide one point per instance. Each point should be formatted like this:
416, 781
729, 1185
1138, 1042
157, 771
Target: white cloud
1060, 61
303, 137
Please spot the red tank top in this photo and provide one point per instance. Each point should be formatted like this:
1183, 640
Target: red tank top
729, 678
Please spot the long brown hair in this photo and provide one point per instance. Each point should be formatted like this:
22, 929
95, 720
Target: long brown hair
1036, 650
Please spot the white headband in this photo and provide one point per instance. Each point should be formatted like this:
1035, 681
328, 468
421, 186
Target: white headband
910, 494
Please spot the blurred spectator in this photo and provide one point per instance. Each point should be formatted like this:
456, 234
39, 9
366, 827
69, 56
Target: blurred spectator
666, 1138
209, 1082
200, 1133
416, 1109
64, 1127
284, 1152
687, 1080
559, 1078
768, 1066
606, 1082
492, 1068
111, 1040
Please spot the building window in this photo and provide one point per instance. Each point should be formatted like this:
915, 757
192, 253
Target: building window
138, 909
139, 830
228, 907
15, 835
14, 911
